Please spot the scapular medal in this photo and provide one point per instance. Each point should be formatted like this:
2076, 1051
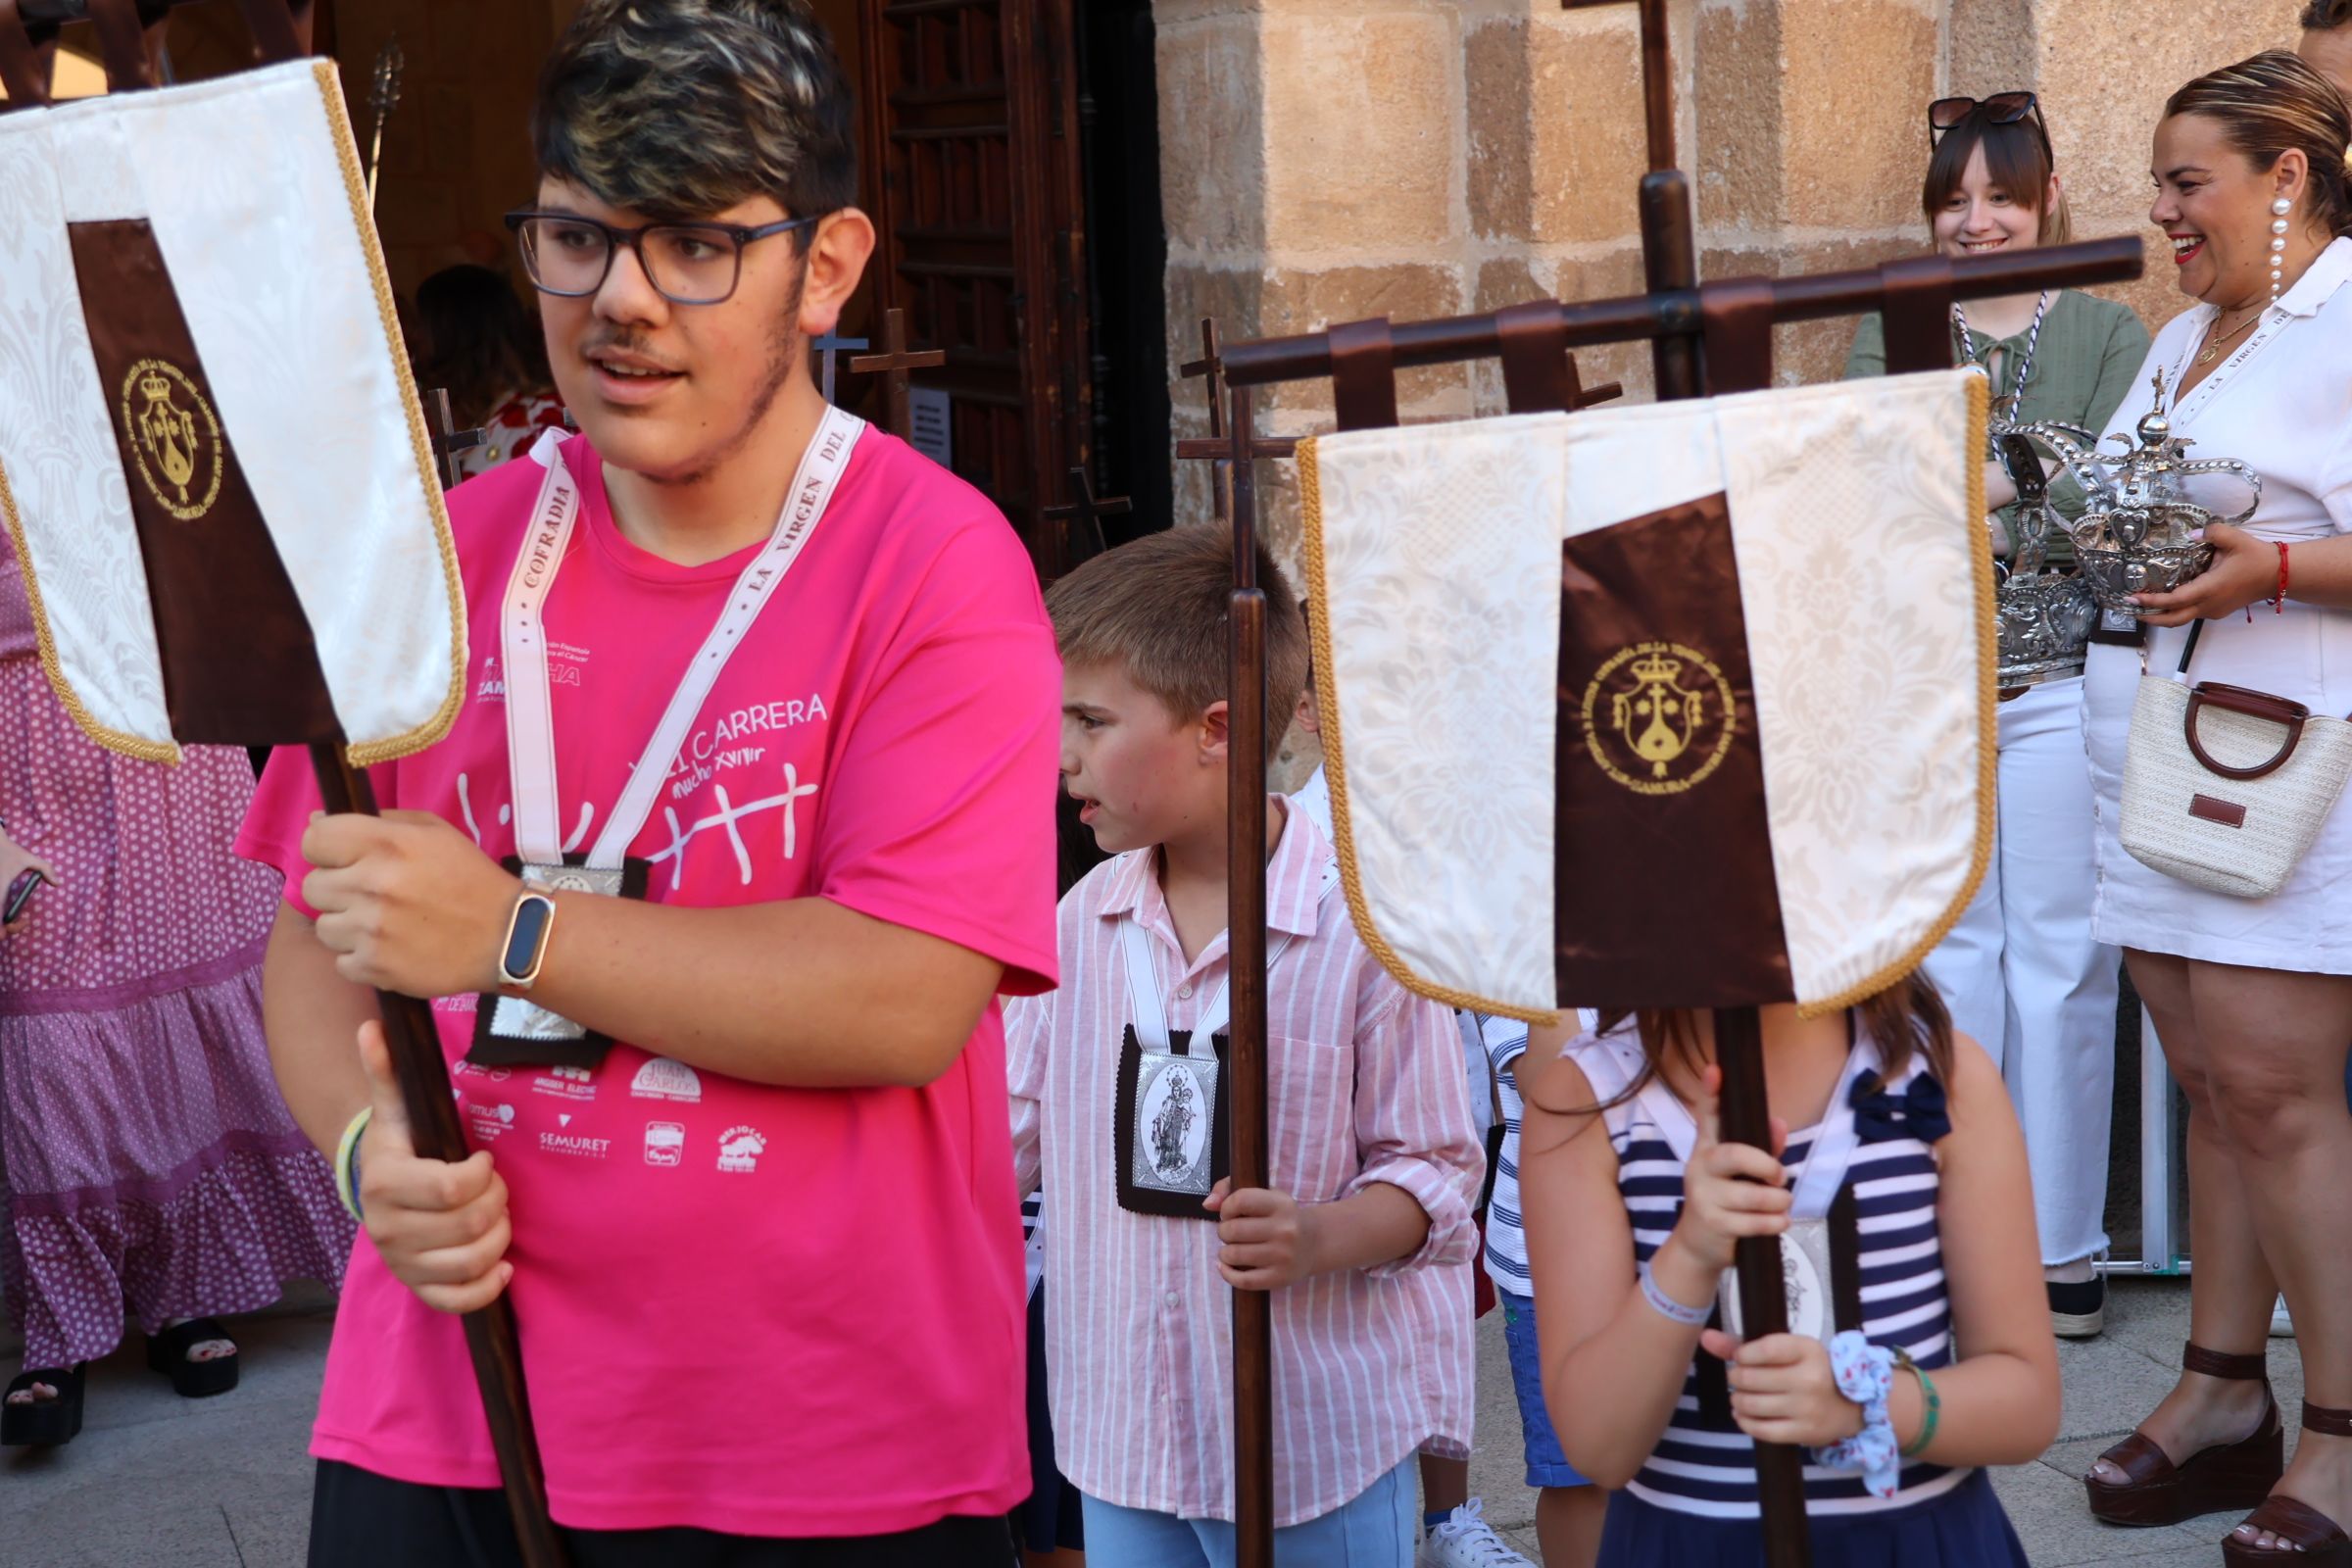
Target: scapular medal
1171, 1128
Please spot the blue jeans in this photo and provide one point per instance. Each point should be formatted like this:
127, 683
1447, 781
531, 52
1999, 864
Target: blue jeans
1546, 1465
1374, 1530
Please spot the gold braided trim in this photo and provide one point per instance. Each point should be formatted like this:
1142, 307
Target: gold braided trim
121, 742
1335, 764
1989, 733
367, 754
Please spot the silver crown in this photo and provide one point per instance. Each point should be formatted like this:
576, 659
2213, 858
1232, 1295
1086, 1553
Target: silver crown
2139, 532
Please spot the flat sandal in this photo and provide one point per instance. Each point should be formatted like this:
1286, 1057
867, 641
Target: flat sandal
2310, 1536
2214, 1479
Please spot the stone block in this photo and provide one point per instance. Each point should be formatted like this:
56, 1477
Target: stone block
1362, 124
1212, 137
1495, 76
1588, 145
1858, 76
1737, 162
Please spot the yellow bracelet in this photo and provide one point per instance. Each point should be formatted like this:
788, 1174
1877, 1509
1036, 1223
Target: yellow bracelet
347, 1162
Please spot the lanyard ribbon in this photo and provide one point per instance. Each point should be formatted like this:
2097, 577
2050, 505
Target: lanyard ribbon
1149, 1011
522, 642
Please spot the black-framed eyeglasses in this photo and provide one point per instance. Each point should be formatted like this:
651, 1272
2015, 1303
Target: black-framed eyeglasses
2001, 109
688, 263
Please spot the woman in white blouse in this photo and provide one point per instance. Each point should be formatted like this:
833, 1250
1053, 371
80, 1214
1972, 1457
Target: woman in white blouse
2252, 998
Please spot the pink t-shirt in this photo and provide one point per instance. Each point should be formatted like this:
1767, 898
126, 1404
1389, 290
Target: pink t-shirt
749, 1309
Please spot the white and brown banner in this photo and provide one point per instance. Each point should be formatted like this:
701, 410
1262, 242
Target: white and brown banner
211, 455
1686, 704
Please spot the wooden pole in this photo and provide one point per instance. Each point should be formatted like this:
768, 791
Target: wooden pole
1246, 1039
1746, 1117
491, 1339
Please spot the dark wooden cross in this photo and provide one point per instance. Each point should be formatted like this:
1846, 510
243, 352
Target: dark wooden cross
1217, 448
1081, 519
828, 349
448, 441
894, 361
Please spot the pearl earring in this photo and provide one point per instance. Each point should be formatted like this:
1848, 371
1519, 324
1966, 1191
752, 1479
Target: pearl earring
2279, 208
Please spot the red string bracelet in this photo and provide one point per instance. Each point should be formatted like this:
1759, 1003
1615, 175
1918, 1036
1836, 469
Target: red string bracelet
2278, 599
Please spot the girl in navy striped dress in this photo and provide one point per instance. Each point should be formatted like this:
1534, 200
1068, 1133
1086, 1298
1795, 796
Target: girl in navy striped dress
1921, 1348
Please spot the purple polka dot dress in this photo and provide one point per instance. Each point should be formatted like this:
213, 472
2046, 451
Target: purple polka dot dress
149, 1161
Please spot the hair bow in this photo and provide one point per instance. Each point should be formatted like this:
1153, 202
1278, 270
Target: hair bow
1880, 1115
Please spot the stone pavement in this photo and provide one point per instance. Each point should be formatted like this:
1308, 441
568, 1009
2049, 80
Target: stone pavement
157, 1482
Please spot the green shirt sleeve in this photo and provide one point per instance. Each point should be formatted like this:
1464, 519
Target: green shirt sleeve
2126, 349
1868, 357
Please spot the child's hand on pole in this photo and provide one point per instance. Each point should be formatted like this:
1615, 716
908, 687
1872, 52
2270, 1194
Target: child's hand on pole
1729, 1190
1782, 1390
1267, 1237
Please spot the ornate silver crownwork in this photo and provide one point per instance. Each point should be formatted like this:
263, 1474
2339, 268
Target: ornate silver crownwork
2045, 616
2140, 531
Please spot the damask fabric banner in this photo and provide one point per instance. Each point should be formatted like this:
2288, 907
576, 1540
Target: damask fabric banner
1727, 666
211, 455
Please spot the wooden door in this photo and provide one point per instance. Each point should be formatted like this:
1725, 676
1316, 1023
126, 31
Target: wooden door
971, 143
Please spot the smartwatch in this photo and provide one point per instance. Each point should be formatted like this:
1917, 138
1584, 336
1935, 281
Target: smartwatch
527, 931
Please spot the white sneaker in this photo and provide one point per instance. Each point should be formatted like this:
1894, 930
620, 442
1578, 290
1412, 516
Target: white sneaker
1466, 1541
2282, 1327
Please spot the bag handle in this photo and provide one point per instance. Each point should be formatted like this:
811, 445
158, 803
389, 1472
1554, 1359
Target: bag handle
2253, 704
20, 65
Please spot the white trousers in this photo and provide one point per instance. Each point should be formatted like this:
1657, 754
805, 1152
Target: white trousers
2023, 978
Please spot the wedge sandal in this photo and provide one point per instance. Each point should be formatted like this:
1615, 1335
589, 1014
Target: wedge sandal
168, 1354
2310, 1536
2230, 1475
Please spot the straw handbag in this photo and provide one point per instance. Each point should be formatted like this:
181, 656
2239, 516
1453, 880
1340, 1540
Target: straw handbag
2225, 788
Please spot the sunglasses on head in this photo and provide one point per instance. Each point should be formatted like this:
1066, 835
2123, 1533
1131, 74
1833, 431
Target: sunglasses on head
2001, 109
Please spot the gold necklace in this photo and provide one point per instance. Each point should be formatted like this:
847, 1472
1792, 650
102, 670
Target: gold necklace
2212, 345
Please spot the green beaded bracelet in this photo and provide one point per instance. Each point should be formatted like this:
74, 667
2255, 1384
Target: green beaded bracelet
1931, 1402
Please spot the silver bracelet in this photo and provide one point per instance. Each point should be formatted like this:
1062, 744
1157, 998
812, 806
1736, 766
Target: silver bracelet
1668, 1307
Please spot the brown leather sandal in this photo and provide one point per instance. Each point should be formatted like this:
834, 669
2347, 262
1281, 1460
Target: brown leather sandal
2226, 1476
2309, 1535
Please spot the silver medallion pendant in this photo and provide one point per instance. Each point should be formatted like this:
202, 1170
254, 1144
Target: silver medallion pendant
1169, 1129
515, 1031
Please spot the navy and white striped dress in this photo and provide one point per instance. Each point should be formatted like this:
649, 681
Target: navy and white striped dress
1700, 1484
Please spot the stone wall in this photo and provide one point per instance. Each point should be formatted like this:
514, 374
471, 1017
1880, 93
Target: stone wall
1324, 159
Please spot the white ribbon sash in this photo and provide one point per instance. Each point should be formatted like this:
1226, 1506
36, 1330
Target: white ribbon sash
530, 726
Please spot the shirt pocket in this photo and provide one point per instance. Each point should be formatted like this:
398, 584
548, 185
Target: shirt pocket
1310, 1091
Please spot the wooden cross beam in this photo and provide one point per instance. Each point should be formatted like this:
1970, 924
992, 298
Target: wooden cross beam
1081, 518
447, 441
829, 349
1217, 448
894, 361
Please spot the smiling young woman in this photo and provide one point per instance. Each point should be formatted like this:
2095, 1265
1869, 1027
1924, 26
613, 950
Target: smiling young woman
2022, 973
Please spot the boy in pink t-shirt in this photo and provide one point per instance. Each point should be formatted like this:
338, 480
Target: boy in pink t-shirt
742, 1157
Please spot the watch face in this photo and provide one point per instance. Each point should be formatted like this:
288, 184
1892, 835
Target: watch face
526, 937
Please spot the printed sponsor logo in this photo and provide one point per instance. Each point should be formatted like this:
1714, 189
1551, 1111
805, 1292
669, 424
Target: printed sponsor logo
566, 1083
574, 1144
740, 1149
664, 1079
664, 1142
490, 1121
496, 1075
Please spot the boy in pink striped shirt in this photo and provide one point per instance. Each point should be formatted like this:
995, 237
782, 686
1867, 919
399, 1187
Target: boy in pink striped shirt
1365, 1236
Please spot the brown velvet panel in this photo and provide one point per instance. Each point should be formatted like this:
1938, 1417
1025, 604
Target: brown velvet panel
1666, 895
240, 667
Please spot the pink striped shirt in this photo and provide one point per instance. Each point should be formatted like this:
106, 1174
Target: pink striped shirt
1365, 1084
